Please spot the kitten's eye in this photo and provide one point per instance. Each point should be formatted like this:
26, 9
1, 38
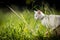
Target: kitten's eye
36, 15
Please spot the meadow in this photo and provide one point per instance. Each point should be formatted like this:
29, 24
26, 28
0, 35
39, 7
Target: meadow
23, 26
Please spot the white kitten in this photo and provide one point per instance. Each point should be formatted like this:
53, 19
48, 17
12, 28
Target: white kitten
50, 21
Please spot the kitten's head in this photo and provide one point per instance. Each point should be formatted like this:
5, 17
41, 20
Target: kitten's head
38, 14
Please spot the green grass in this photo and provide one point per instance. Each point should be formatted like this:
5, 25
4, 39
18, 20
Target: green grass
24, 28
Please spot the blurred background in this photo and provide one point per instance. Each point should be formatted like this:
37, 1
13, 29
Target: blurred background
31, 3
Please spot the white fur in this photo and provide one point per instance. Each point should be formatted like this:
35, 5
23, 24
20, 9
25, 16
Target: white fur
50, 21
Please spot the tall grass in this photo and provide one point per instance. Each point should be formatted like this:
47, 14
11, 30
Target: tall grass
14, 28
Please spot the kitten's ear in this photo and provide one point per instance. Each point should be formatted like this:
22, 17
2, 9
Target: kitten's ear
34, 11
